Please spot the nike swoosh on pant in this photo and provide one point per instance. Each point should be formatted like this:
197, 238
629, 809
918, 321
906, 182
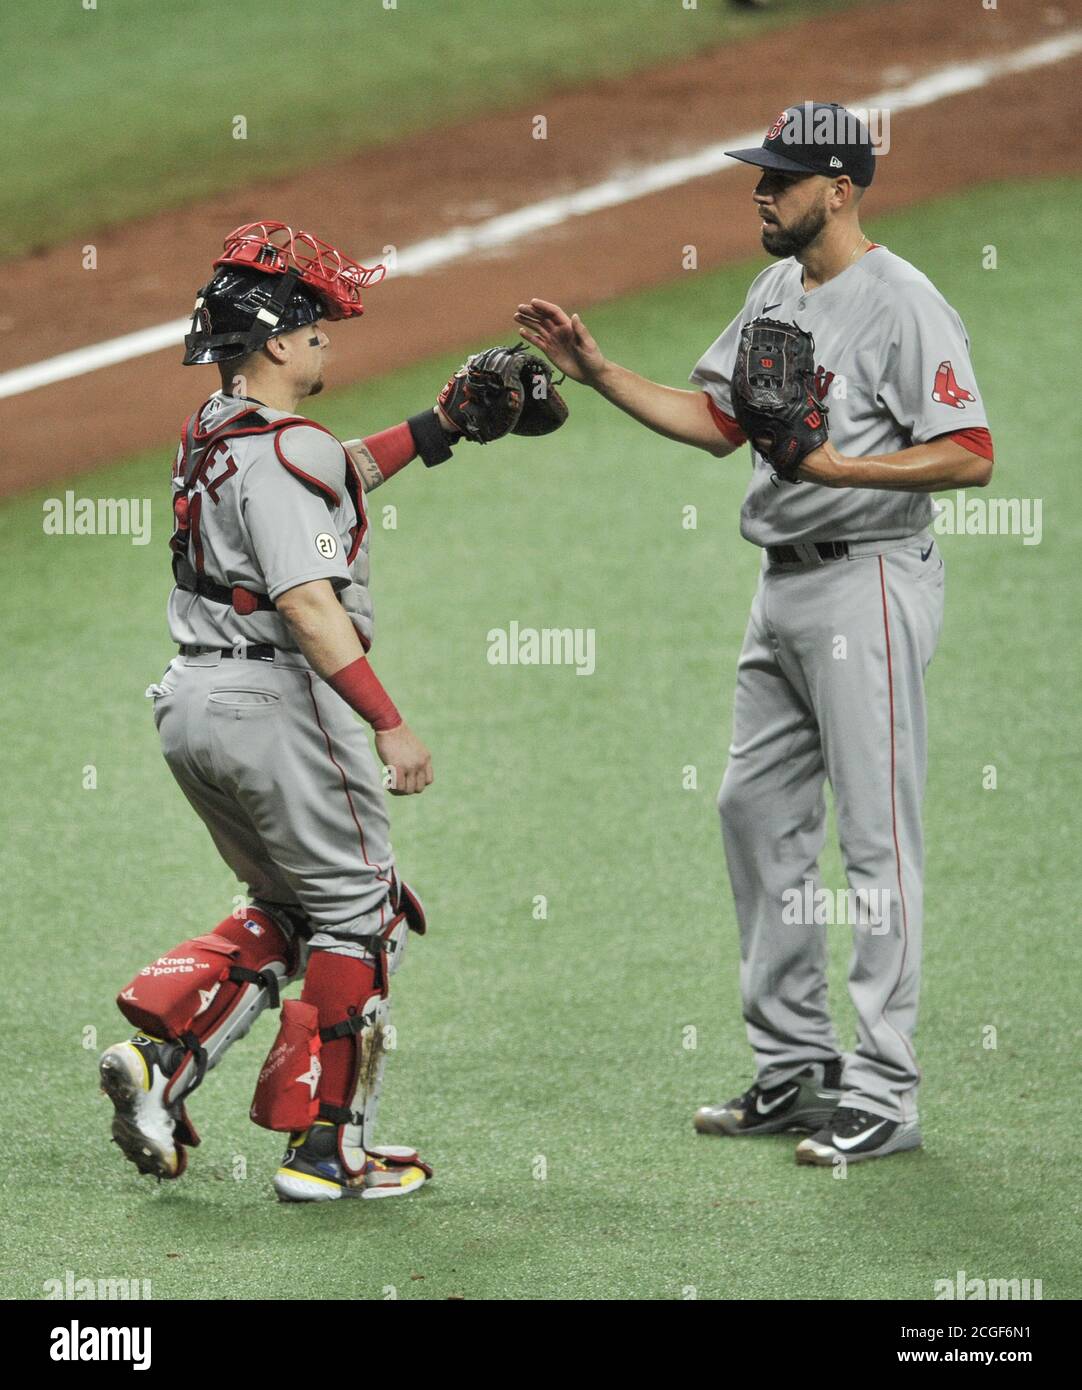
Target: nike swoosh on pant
925, 553
844, 1144
761, 1109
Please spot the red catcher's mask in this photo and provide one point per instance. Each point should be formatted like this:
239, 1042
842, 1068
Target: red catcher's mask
276, 248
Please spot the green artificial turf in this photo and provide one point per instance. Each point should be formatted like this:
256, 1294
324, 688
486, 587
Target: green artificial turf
116, 111
559, 1045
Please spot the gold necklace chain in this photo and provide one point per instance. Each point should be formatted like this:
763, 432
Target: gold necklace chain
848, 263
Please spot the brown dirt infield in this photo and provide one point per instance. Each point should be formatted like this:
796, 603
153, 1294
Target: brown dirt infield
148, 270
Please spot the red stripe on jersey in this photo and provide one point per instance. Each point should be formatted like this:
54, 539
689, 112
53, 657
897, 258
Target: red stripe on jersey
727, 426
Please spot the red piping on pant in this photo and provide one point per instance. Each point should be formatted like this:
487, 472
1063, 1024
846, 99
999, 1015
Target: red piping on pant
894, 816
345, 788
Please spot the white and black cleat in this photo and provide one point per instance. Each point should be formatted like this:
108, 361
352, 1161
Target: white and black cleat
855, 1135
134, 1075
800, 1105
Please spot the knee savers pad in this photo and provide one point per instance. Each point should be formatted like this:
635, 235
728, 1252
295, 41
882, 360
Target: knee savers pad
409, 906
206, 992
409, 916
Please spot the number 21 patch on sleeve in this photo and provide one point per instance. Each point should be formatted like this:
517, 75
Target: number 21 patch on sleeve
327, 545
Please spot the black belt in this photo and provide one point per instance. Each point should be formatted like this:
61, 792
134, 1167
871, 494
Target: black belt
243, 651
792, 555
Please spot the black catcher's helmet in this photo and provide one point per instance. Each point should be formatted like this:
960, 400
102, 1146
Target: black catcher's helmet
240, 309
270, 280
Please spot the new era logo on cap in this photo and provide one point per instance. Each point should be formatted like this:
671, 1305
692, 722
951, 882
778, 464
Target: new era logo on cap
835, 162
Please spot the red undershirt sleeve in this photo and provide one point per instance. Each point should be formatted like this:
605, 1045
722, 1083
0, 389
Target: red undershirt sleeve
727, 426
978, 441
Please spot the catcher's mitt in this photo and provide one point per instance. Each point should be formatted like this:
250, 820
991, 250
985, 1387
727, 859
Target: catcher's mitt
503, 390
774, 399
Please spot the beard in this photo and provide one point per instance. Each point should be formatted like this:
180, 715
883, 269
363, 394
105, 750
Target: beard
316, 387
790, 241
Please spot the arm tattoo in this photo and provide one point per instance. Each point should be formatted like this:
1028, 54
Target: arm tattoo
367, 466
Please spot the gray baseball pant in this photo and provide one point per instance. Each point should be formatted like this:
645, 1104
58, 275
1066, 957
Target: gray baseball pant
281, 773
830, 686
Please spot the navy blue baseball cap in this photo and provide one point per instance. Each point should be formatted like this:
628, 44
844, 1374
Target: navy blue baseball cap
816, 137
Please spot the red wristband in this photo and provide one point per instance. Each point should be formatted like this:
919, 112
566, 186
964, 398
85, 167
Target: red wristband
392, 449
359, 686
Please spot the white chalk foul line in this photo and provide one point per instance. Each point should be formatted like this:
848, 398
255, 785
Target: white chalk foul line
510, 227
92, 359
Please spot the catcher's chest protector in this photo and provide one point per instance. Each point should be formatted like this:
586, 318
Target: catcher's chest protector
210, 541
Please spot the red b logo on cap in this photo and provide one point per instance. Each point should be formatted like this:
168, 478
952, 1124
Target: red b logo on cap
776, 129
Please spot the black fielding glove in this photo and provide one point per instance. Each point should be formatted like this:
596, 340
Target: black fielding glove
773, 393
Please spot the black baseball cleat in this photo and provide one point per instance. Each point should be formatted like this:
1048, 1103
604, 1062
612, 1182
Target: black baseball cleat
803, 1104
854, 1135
312, 1170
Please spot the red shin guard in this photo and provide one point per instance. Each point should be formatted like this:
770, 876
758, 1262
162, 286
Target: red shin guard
339, 987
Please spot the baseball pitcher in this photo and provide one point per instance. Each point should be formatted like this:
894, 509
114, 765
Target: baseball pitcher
849, 374
257, 714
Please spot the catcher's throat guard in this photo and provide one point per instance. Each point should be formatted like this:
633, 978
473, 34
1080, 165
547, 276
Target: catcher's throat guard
271, 279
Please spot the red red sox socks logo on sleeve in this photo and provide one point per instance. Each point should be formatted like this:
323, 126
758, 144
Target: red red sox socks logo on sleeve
946, 391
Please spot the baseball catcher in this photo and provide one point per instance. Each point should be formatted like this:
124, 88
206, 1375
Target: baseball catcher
272, 617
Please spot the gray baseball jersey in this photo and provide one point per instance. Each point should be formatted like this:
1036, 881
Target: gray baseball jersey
892, 365
271, 510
